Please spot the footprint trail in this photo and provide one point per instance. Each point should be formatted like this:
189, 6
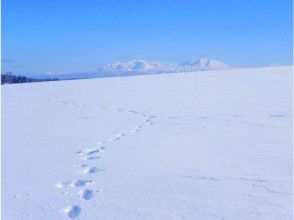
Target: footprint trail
94, 153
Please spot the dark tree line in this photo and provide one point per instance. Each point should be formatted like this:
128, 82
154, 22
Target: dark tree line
9, 78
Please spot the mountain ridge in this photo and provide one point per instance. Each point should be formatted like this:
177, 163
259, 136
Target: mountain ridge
144, 66
141, 67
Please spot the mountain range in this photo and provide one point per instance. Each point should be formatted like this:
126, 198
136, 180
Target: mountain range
143, 67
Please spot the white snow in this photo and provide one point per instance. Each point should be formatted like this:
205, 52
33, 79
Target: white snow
213, 145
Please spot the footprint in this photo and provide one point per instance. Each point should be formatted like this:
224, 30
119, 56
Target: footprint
81, 165
87, 194
80, 182
22, 196
102, 148
87, 152
74, 183
65, 193
91, 151
63, 184
90, 158
90, 170
143, 115
137, 129
79, 152
118, 136
74, 105
73, 211
148, 121
17, 196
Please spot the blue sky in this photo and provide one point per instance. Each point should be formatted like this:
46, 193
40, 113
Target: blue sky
76, 35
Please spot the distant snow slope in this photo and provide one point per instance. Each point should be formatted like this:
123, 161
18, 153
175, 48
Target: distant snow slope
177, 146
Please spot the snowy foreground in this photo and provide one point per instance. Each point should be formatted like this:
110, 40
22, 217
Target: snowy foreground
205, 145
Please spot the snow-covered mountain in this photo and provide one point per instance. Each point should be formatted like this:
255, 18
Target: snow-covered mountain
144, 66
203, 64
138, 66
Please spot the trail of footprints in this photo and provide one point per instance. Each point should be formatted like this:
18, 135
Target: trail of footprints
84, 183
85, 170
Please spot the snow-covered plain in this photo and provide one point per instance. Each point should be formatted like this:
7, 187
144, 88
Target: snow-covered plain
205, 145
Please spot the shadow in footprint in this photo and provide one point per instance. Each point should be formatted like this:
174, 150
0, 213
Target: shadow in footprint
74, 183
87, 194
73, 211
80, 182
92, 170
81, 165
91, 158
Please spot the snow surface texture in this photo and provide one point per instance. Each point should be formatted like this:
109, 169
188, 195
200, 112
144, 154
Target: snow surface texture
205, 145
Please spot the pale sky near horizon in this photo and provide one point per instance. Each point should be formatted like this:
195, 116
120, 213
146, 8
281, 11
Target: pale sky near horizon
74, 36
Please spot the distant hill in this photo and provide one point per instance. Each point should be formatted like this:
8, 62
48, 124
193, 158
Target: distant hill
9, 78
